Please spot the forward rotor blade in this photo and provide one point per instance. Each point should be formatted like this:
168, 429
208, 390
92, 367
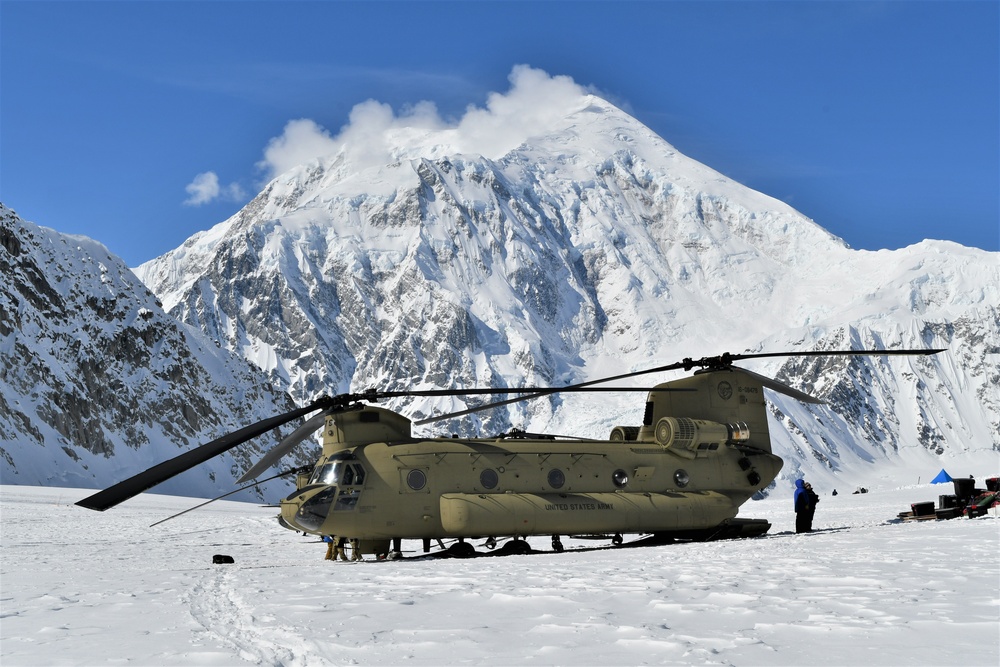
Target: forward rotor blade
226, 495
147, 479
285, 446
317, 421
536, 393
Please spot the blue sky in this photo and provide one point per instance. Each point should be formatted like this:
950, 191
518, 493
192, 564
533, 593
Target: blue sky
879, 120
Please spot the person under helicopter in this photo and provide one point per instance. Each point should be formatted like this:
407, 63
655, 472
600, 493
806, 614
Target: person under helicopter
335, 547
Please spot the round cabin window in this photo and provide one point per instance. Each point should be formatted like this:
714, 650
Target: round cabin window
489, 478
416, 479
620, 478
556, 478
681, 478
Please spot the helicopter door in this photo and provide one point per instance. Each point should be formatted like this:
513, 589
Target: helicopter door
352, 478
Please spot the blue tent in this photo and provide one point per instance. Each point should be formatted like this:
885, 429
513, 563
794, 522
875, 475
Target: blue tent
942, 477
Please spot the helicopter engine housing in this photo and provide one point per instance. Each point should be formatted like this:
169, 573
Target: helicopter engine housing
697, 437
624, 433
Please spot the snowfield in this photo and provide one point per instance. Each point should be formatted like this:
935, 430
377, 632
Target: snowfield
88, 588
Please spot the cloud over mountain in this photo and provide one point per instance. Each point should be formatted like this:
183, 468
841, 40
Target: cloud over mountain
375, 134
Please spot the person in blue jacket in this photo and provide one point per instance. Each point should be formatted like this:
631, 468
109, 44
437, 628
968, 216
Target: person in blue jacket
803, 507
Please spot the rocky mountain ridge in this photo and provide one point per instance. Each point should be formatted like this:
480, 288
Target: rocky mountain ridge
97, 382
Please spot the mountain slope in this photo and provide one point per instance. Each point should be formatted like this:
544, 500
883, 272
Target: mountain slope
98, 382
589, 248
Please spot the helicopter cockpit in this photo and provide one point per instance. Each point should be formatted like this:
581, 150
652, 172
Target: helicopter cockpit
343, 476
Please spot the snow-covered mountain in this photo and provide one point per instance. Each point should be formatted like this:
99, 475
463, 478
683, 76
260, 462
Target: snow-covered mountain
97, 382
580, 246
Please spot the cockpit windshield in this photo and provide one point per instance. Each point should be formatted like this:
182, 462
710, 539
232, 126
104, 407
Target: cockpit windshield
345, 473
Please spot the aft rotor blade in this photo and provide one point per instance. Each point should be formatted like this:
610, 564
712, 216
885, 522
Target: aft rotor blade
831, 353
147, 479
719, 362
781, 387
285, 446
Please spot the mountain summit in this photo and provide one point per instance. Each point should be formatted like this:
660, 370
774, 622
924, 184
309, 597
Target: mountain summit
596, 230
582, 245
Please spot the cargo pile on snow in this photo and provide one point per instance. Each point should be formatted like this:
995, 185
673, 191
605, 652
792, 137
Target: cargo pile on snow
967, 501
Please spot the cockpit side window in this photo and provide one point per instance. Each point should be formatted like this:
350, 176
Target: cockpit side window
347, 500
325, 474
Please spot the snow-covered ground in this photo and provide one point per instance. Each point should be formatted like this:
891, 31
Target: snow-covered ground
86, 588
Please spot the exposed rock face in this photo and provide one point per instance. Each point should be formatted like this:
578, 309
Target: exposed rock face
98, 382
882, 408
591, 249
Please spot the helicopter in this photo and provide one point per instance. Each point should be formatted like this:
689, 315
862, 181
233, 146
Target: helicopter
702, 450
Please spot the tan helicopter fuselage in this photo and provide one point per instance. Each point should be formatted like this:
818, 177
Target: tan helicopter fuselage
702, 451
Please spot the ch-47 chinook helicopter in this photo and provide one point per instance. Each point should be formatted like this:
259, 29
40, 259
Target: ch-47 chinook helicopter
702, 450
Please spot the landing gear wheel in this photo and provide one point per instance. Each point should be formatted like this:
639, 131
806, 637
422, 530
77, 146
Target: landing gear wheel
617, 540
461, 550
514, 547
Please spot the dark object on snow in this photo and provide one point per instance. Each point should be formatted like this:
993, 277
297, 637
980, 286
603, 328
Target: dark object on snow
993, 484
981, 504
947, 501
221, 559
975, 511
965, 488
923, 509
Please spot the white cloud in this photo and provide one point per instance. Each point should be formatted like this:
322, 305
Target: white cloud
534, 101
205, 188
301, 142
375, 134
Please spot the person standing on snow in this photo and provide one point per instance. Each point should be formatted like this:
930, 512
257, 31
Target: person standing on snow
813, 499
803, 507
